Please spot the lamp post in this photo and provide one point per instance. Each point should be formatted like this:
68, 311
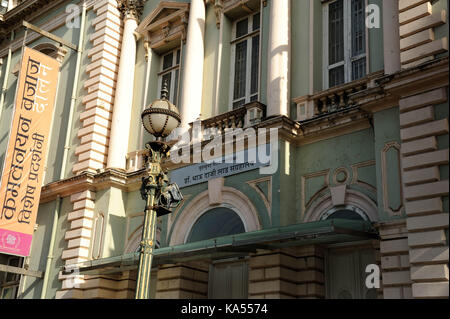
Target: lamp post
159, 119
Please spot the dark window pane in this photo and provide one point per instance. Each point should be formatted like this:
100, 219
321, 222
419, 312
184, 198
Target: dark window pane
178, 57
337, 76
358, 69
358, 28
238, 104
240, 70
217, 222
336, 32
254, 98
241, 28
256, 21
345, 214
168, 61
255, 64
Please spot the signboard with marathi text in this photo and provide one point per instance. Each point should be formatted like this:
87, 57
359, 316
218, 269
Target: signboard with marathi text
227, 166
23, 168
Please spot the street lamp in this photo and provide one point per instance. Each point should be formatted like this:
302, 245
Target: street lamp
159, 119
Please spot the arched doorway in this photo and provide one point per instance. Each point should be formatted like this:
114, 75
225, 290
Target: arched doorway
228, 279
346, 265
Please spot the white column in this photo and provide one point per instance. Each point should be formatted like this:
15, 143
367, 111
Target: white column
120, 126
192, 83
391, 36
278, 90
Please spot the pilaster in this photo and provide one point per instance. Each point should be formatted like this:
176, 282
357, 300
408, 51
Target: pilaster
424, 188
417, 37
279, 58
96, 118
123, 99
192, 82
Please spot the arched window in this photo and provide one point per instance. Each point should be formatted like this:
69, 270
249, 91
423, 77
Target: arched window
217, 222
348, 212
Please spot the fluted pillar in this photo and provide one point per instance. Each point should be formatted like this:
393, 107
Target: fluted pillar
278, 90
192, 83
120, 126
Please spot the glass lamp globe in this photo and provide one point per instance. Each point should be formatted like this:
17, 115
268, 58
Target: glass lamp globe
161, 117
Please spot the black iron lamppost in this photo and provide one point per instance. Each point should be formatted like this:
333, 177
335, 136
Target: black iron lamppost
159, 119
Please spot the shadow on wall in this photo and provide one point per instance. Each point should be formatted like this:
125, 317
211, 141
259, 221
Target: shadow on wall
116, 245
60, 121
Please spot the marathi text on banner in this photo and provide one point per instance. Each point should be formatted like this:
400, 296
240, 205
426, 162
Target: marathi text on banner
21, 180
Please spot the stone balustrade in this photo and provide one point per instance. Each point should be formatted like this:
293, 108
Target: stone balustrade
334, 99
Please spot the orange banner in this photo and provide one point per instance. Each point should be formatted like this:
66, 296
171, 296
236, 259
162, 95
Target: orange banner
23, 169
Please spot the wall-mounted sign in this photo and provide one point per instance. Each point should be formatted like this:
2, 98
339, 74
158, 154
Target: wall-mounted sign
21, 179
237, 163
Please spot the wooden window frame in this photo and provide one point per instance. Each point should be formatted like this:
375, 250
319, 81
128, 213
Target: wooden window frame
348, 58
172, 70
14, 284
248, 73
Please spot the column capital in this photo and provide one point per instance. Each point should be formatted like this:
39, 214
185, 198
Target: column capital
218, 10
131, 8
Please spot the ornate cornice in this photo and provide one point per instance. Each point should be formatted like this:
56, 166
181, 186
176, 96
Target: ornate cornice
165, 24
26, 10
131, 8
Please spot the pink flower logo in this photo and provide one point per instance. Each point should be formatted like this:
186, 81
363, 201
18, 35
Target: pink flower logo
11, 240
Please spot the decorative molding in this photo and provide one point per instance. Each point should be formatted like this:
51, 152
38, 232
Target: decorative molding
218, 11
49, 26
352, 197
174, 214
244, 6
338, 171
165, 24
355, 179
338, 194
266, 199
393, 211
232, 198
325, 174
215, 187
131, 8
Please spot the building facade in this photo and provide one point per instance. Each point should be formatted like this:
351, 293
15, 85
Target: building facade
356, 90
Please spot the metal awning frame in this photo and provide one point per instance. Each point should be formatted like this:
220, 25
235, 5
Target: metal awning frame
322, 232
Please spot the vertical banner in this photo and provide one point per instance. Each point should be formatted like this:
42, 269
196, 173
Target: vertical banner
21, 180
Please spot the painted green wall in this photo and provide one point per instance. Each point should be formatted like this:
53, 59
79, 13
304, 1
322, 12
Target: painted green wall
341, 151
376, 45
63, 100
387, 130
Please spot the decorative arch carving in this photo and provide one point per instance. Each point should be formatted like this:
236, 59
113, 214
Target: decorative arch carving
231, 198
134, 240
352, 197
